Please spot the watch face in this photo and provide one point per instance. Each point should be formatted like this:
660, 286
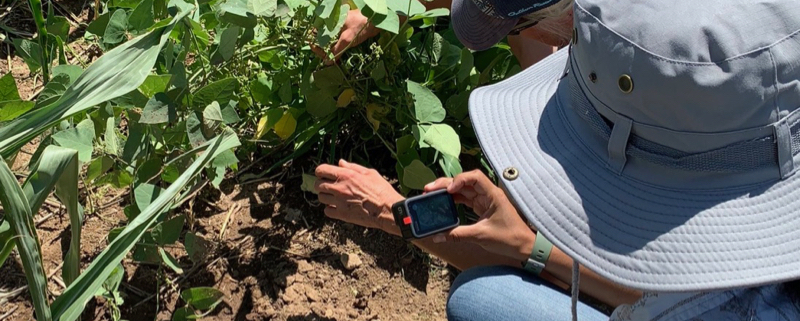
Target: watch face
432, 213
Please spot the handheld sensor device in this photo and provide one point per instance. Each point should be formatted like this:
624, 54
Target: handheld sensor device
425, 215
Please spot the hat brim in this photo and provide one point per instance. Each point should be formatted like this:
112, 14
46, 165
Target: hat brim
475, 29
635, 233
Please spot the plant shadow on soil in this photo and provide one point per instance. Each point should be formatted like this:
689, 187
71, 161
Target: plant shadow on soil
263, 252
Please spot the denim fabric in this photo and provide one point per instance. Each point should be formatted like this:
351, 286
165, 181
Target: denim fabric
501, 293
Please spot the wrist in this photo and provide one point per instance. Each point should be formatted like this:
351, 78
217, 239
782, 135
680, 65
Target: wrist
386, 218
527, 239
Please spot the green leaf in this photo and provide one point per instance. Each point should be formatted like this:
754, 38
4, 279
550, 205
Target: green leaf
154, 84
227, 43
416, 175
72, 71
229, 115
333, 26
99, 24
326, 8
202, 298
145, 194
19, 216
264, 8
308, 183
148, 170
53, 90
196, 246
30, 52
159, 110
72, 301
8, 88
142, 16
443, 138
377, 6
236, 12
406, 151
451, 166
80, 138
13, 109
147, 253
116, 73
220, 91
434, 13
170, 261
390, 22
111, 141
319, 105
427, 107
6, 241
59, 27
115, 30
169, 231
196, 130
261, 89
182, 314
328, 79
118, 179
98, 167
213, 112
401, 7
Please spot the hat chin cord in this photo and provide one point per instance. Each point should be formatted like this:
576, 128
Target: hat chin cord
576, 280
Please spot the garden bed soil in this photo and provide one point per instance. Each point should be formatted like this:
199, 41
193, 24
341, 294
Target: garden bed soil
279, 258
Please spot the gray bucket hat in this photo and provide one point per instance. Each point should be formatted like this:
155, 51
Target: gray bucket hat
660, 148
480, 24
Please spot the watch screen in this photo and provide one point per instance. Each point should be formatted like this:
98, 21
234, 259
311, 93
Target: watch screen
432, 212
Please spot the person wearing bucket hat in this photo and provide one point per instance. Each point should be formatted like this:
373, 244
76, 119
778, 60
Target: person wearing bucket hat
533, 27
660, 151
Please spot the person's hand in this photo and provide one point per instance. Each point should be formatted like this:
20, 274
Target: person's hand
499, 229
356, 30
357, 195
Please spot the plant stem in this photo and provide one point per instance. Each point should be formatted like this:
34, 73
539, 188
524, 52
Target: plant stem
38, 18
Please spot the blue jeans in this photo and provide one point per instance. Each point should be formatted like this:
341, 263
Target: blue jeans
507, 294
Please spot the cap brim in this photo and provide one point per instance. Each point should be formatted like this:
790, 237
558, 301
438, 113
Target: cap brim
475, 29
632, 232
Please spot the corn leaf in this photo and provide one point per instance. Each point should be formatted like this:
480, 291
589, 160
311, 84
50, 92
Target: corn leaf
18, 214
71, 303
59, 169
116, 73
6, 244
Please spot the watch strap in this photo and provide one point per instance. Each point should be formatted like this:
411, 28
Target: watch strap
402, 220
541, 252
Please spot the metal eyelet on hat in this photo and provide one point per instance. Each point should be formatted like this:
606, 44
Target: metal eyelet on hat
574, 36
625, 83
593, 77
510, 173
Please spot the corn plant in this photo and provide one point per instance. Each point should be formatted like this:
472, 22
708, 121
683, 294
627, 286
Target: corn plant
117, 73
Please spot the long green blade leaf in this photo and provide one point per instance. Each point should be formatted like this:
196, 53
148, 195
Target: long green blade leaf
18, 214
6, 235
59, 168
70, 304
116, 73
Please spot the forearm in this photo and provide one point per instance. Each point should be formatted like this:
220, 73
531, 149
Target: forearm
461, 255
559, 266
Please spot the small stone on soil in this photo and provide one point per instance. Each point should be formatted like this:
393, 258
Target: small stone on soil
304, 266
313, 295
351, 261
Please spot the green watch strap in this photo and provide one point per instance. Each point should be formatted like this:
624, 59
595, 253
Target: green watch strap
539, 255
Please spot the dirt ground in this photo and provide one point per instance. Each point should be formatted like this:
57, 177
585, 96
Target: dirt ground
279, 258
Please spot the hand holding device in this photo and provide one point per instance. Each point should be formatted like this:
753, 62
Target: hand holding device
426, 215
